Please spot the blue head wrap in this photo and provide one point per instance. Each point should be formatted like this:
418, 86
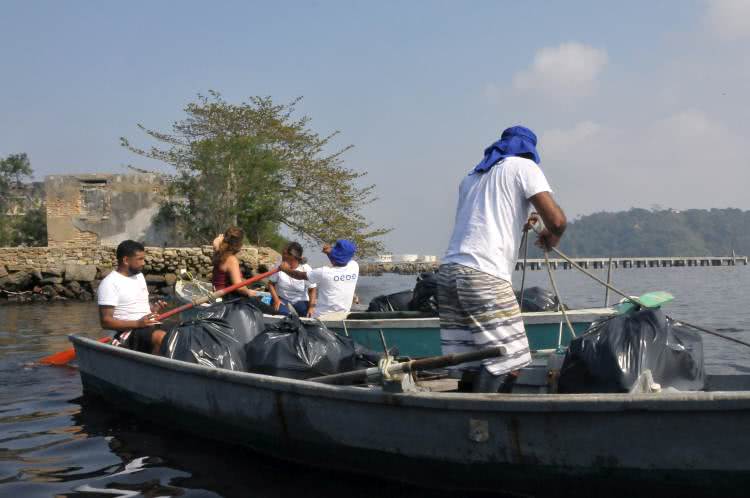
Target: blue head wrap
342, 251
514, 141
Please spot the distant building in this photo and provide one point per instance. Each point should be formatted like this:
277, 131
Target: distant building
103, 208
383, 258
401, 258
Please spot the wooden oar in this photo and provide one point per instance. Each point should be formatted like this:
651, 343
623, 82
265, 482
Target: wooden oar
411, 366
68, 355
216, 295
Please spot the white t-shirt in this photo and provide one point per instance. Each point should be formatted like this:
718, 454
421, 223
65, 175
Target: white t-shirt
492, 209
129, 295
291, 290
336, 286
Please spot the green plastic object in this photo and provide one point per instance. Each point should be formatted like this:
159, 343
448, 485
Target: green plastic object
652, 300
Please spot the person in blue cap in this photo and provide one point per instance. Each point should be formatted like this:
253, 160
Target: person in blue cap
335, 283
477, 305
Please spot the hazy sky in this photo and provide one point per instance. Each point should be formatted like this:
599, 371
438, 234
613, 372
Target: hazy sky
636, 103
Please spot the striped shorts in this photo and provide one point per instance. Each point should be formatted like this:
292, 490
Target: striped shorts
478, 310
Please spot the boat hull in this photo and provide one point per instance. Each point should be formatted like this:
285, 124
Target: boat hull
468, 441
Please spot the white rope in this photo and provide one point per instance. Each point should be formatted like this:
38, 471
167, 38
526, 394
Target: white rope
15, 293
384, 364
525, 244
560, 307
575, 265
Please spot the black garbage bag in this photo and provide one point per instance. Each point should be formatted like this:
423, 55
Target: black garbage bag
425, 293
537, 299
295, 350
217, 336
209, 341
398, 301
613, 353
242, 314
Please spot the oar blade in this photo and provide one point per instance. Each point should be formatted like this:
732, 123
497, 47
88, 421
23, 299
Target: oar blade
60, 358
65, 357
652, 300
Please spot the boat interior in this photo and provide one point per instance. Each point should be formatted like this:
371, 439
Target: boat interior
388, 315
534, 380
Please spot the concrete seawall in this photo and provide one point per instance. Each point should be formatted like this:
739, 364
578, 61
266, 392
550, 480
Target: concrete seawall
58, 273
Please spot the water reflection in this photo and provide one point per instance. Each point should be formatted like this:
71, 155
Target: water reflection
156, 461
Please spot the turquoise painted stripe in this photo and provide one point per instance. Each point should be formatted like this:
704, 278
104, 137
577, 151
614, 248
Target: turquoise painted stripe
419, 342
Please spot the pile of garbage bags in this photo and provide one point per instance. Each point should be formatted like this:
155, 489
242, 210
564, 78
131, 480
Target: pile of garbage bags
232, 335
299, 350
424, 298
614, 354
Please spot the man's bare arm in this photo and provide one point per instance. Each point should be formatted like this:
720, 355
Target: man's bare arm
109, 322
313, 302
553, 218
295, 274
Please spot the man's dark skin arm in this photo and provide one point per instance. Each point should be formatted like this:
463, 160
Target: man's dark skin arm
553, 218
295, 274
313, 295
109, 322
301, 275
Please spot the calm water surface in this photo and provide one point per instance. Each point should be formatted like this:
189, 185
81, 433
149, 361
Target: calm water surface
54, 442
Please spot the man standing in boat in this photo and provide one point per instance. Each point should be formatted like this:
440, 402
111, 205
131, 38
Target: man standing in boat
123, 302
477, 305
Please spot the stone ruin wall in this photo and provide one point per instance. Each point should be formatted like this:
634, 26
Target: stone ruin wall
104, 209
57, 273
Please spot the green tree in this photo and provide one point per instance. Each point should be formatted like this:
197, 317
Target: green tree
253, 164
31, 229
658, 232
230, 181
14, 169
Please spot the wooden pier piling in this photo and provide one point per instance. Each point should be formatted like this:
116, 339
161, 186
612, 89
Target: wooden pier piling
561, 264
639, 262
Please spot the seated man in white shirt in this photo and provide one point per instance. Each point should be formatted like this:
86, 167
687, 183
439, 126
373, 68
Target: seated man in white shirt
123, 302
335, 283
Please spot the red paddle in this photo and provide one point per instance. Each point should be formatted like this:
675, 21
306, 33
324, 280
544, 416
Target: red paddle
68, 355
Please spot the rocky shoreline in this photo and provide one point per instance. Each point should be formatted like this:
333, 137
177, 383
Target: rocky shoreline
42, 274
376, 269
